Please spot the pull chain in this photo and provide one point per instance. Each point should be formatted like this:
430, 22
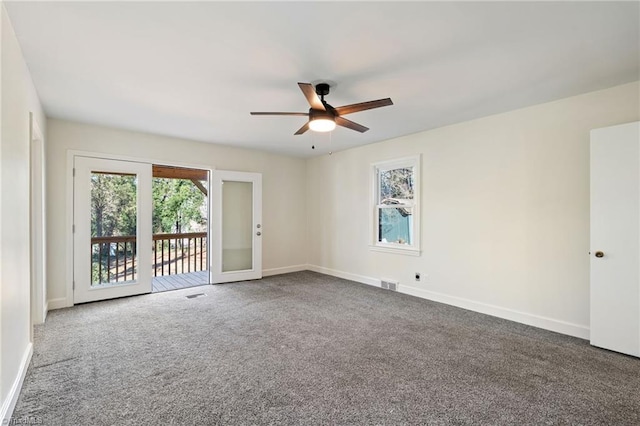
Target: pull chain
330, 143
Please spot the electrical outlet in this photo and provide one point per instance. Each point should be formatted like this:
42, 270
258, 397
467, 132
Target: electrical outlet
417, 276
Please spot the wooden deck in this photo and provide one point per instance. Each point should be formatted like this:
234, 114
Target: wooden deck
178, 281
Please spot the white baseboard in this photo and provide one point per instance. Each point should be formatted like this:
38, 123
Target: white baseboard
346, 275
46, 311
58, 303
64, 302
12, 397
546, 323
283, 270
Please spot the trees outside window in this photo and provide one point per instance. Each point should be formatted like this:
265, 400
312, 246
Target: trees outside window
178, 206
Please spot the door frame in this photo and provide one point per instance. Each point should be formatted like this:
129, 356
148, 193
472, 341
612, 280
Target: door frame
71, 154
37, 228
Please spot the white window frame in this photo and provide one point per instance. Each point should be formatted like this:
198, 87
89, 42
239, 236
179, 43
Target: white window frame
412, 249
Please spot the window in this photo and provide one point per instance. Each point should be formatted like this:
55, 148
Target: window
396, 203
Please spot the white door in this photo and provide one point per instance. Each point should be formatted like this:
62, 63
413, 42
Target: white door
112, 229
237, 226
615, 238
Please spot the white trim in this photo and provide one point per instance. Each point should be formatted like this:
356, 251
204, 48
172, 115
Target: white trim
414, 161
346, 275
396, 162
283, 270
69, 233
209, 222
12, 397
73, 152
533, 320
538, 321
59, 303
409, 251
37, 224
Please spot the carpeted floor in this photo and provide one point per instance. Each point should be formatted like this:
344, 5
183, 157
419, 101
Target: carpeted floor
306, 348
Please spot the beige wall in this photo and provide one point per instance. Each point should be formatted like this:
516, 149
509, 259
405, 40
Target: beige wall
505, 211
284, 244
19, 98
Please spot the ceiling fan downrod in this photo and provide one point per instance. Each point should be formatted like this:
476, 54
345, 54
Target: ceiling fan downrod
322, 89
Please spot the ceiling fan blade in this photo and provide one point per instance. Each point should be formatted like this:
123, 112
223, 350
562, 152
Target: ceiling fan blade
363, 106
306, 114
302, 129
311, 95
340, 121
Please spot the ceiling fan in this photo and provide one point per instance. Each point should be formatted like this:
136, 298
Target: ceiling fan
322, 116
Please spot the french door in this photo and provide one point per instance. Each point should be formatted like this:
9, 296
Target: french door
112, 229
237, 226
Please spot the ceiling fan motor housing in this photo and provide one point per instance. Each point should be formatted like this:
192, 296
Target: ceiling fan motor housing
316, 114
322, 89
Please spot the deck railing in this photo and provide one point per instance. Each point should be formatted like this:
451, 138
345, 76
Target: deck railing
114, 259
186, 252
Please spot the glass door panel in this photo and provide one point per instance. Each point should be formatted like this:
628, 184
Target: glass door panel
114, 198
237, 226
112, 229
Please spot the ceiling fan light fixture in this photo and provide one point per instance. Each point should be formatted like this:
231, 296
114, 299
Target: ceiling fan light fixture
322, 124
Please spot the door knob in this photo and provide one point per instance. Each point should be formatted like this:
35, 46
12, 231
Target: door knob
599, 254
258, 233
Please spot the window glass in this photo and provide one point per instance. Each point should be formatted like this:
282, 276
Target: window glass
396, 184
396, 204
395, 226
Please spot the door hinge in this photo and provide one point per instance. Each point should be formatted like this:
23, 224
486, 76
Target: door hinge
74, 285
74, 172
73, 228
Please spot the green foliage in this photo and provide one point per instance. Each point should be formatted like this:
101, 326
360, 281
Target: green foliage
177, 203
178, 206
113, 205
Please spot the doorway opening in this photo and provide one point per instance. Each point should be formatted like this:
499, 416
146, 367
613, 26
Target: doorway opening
180, 228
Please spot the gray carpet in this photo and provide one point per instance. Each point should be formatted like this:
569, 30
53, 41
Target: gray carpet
305, 348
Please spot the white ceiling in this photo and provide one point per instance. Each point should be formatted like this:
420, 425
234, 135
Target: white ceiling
195, 70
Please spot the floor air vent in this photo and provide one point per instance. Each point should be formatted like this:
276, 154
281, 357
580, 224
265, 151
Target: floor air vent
389, 284
193, 296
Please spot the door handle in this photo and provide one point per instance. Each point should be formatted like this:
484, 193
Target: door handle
599, 254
